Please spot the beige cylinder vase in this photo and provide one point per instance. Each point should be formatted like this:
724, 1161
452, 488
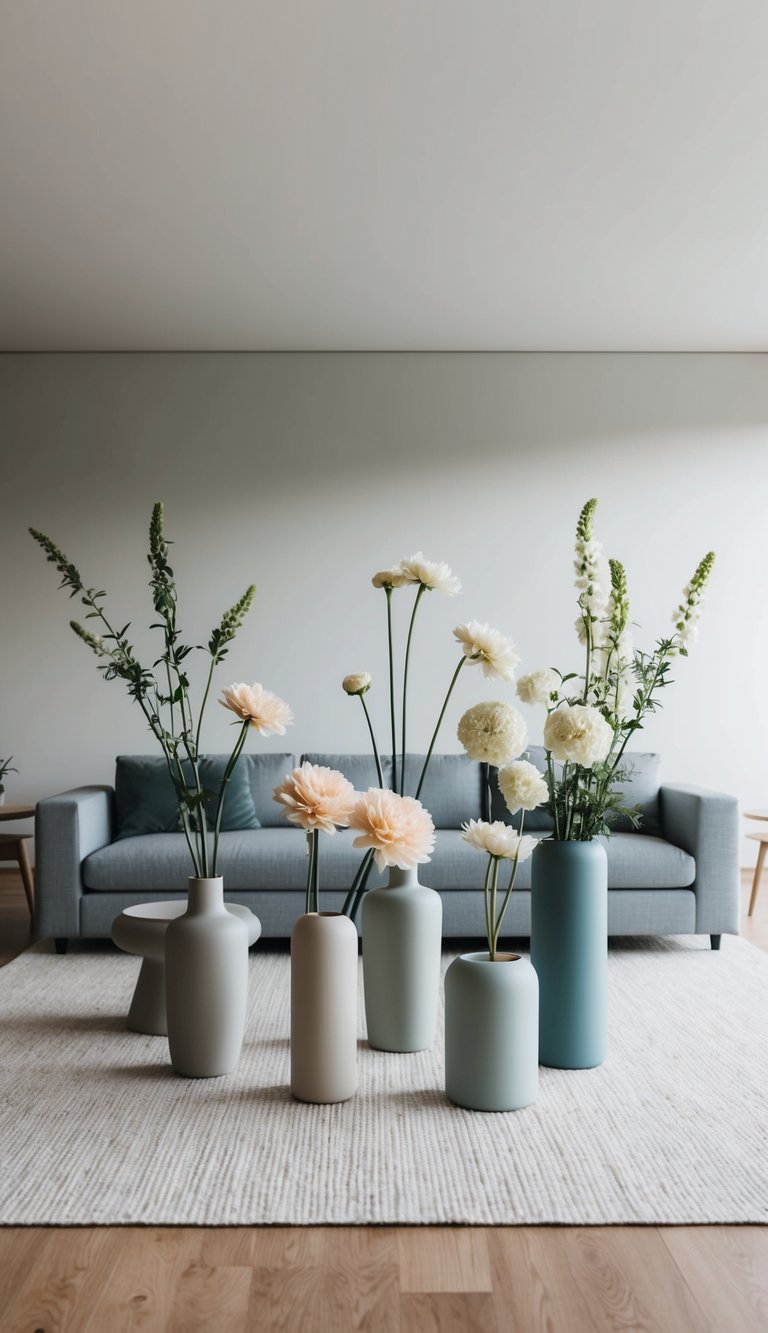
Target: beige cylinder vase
323, 1008
206, 983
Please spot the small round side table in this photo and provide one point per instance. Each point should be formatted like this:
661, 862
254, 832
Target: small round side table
760, 836
13, 848
141, 930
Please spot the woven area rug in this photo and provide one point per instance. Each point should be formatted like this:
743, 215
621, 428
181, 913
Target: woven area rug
95, 1128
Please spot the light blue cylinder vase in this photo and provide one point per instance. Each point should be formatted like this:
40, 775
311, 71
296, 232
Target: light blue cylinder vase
491, 1032
569, 950
402, 928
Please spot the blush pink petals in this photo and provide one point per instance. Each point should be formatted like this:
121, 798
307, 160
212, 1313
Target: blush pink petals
398, 828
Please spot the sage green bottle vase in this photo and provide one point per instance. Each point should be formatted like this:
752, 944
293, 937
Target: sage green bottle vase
491, 1032
569, 950
402, 927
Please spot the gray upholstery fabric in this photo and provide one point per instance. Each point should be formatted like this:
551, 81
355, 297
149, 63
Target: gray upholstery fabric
267, 859
359, 769
641, 789
265, 772
453, 788
706, 825
67, 829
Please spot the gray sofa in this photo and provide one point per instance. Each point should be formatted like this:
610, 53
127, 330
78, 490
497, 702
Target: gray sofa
679, 875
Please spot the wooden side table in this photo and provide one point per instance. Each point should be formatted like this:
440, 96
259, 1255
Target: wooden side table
761, 836
13, 847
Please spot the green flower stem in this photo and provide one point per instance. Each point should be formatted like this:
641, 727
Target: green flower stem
310, 872
316, 871
433, 742
392, 688
488, 931
419, 594
202, 706
510, 886
358, 887
553, 794
361, 697
233, 758
494, 889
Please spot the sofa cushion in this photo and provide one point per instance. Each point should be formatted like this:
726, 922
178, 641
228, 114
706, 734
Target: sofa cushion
258, 859
640, 789
146, 801
452, 790
265, 772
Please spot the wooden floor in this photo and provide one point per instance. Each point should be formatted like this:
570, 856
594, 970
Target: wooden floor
382, 1279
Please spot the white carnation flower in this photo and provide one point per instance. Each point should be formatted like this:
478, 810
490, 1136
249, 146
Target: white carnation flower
496, 654
577, 734
357, 683
498, 839
538, 686
435, 575
522, 786
389, 578
493, 733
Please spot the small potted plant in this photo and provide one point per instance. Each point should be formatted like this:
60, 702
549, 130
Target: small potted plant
5, 767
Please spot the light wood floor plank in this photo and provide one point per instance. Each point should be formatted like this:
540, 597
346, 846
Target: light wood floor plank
534, 1286
451, 1312
61, 1289
434, 1259
727, 1267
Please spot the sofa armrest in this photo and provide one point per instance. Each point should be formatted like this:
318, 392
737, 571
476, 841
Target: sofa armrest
67, 829
706, 825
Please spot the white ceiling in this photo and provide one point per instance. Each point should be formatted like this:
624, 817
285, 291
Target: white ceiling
473, 174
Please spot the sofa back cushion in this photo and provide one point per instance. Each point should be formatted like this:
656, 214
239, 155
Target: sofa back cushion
265, 772
641, 789
145, 797
452, 791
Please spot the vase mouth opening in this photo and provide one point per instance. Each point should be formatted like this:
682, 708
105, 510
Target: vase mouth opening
323, 913
485, 957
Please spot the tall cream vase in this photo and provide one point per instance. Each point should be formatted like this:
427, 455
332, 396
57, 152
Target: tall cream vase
206, 983
323, 1008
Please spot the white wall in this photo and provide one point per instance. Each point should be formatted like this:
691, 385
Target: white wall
305, 473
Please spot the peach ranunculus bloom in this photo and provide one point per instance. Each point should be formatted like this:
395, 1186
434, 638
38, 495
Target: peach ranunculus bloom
398, 828
316, 797
265, 711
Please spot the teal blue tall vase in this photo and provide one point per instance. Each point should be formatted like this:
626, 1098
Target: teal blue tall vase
569, 950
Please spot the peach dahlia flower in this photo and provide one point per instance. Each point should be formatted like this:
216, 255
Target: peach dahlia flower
398, 828
316, 797
265, 711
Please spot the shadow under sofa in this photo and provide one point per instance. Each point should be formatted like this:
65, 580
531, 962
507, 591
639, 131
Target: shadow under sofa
677, 876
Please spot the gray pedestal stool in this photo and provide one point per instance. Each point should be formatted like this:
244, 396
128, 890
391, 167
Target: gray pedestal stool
141, 930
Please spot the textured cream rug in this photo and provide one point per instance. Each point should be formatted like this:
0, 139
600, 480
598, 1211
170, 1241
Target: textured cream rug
95, 1128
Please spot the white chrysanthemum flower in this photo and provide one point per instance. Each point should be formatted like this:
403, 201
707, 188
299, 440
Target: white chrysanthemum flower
435, 575
389, 578
357, 683
493, 733
522, 786
577, 734
498, 839
538, 687
489, 648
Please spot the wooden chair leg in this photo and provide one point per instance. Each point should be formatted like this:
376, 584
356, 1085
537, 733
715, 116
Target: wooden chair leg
758, 872
26, 874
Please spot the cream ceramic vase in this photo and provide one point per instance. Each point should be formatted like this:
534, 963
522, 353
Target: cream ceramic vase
206, 983
323, 1008
402, 928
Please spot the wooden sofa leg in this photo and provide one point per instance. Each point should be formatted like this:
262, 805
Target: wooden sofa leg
61, 943
715, 941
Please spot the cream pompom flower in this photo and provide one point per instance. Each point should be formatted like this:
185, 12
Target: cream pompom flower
522, 786
357, 683
398, 828
390, 578
489, 648
498, 839
538, 687
493, 733
578, 734
316, 797
266, 712
434, 575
